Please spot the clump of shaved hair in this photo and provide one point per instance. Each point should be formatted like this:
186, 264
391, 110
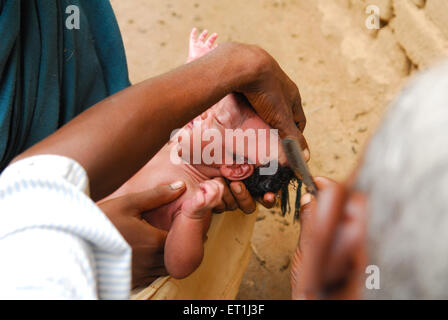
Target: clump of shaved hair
258, 185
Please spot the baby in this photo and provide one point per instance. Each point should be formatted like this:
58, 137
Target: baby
188, 218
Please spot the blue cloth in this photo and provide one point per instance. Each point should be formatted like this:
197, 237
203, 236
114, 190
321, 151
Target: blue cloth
49, 73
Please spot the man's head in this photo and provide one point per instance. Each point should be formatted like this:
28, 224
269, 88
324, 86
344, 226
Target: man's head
405, 175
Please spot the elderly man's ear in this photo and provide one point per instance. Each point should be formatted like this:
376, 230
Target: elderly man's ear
237, 172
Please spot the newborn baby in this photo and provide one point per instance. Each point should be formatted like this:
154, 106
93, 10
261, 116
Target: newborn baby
188, 218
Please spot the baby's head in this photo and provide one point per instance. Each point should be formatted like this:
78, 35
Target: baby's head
232, 141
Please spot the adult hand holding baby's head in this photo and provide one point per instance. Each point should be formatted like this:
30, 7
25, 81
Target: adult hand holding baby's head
235, 195
251, 71
147, 242
273, 95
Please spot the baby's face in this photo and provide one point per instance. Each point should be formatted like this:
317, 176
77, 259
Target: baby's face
243, 135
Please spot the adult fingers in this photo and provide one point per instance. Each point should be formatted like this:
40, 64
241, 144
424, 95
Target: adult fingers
228, 201
293, 131
327, 219
298, 114
156, 197
329, 212
349, 238
139, 233
308, 207
146, 265
318, 225
243, 197
302, 268
268, 200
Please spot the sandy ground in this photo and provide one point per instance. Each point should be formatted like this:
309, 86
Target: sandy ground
347, 76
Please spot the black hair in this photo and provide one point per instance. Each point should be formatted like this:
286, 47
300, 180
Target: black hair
258, 185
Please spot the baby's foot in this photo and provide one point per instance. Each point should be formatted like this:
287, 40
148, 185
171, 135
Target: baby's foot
200, 46
207, 198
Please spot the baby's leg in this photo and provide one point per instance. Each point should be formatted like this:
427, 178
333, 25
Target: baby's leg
184, 247
200, 46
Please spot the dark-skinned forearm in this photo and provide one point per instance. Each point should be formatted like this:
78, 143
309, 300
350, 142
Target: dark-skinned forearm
116, 137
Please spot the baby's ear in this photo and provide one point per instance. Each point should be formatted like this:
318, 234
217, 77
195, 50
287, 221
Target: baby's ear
237, 171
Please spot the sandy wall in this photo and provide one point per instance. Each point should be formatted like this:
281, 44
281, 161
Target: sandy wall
420, 27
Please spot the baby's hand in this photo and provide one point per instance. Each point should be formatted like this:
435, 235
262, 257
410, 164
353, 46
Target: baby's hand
200, 47
208, 197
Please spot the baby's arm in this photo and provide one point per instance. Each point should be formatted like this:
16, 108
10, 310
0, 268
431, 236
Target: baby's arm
184, 247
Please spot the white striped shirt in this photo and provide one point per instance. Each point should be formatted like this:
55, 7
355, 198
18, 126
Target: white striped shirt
55, 243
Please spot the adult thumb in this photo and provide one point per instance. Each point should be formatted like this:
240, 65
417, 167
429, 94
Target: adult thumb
158, 196
290, 130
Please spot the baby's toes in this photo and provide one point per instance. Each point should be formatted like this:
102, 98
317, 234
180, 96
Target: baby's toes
211, 40
193, 35
220, 189
195, 207
203, 35
213, 191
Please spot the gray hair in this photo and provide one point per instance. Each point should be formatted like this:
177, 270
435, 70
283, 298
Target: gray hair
405, 175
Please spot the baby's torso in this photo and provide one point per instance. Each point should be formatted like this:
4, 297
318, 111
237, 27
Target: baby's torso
155, 173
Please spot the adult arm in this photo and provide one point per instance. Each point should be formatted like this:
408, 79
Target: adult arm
117, 136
